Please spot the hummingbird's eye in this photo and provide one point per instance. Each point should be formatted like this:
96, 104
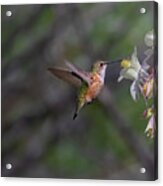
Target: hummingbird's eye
101, 64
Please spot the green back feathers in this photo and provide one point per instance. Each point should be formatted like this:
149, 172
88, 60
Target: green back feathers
82, 92
81, 98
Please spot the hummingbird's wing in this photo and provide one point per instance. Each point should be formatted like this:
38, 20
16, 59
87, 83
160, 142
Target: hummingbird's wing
66, 75
81, 74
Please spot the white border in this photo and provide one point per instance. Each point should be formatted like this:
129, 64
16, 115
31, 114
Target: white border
60, 1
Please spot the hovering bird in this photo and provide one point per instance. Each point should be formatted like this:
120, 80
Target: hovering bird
89, 83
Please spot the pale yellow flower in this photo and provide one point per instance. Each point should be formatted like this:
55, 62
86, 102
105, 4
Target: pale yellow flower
126, 63
130, 68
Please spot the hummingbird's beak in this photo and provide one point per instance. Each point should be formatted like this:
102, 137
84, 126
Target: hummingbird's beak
113, 62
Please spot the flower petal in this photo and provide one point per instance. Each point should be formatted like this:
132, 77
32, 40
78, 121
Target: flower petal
150, 129
148, 89
148, 52
149, 38
130, 74
134, 61
134, 90
122, 72
120, 78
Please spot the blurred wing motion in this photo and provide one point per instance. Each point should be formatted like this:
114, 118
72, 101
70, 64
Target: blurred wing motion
74, 75
66, 75
81, 74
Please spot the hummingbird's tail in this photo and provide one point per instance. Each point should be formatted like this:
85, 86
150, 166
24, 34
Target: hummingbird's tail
76, 112
78, 108
75, 115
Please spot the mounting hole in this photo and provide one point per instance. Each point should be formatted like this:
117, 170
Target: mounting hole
8, 13
8, 166
142, 170
142, 10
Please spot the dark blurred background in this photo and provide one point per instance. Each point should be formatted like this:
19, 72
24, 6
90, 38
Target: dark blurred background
39, 137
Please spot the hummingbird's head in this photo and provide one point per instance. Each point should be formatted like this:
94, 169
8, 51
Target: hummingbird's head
100, 68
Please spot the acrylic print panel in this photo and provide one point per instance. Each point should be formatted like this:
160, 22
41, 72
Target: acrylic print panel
79, 91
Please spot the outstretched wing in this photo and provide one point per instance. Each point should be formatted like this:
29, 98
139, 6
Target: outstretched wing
76, 71
66, 75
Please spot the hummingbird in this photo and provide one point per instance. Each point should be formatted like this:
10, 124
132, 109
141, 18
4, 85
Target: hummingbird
90, 83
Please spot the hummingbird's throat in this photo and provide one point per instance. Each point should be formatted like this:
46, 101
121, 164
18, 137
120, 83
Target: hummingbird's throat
102, 73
